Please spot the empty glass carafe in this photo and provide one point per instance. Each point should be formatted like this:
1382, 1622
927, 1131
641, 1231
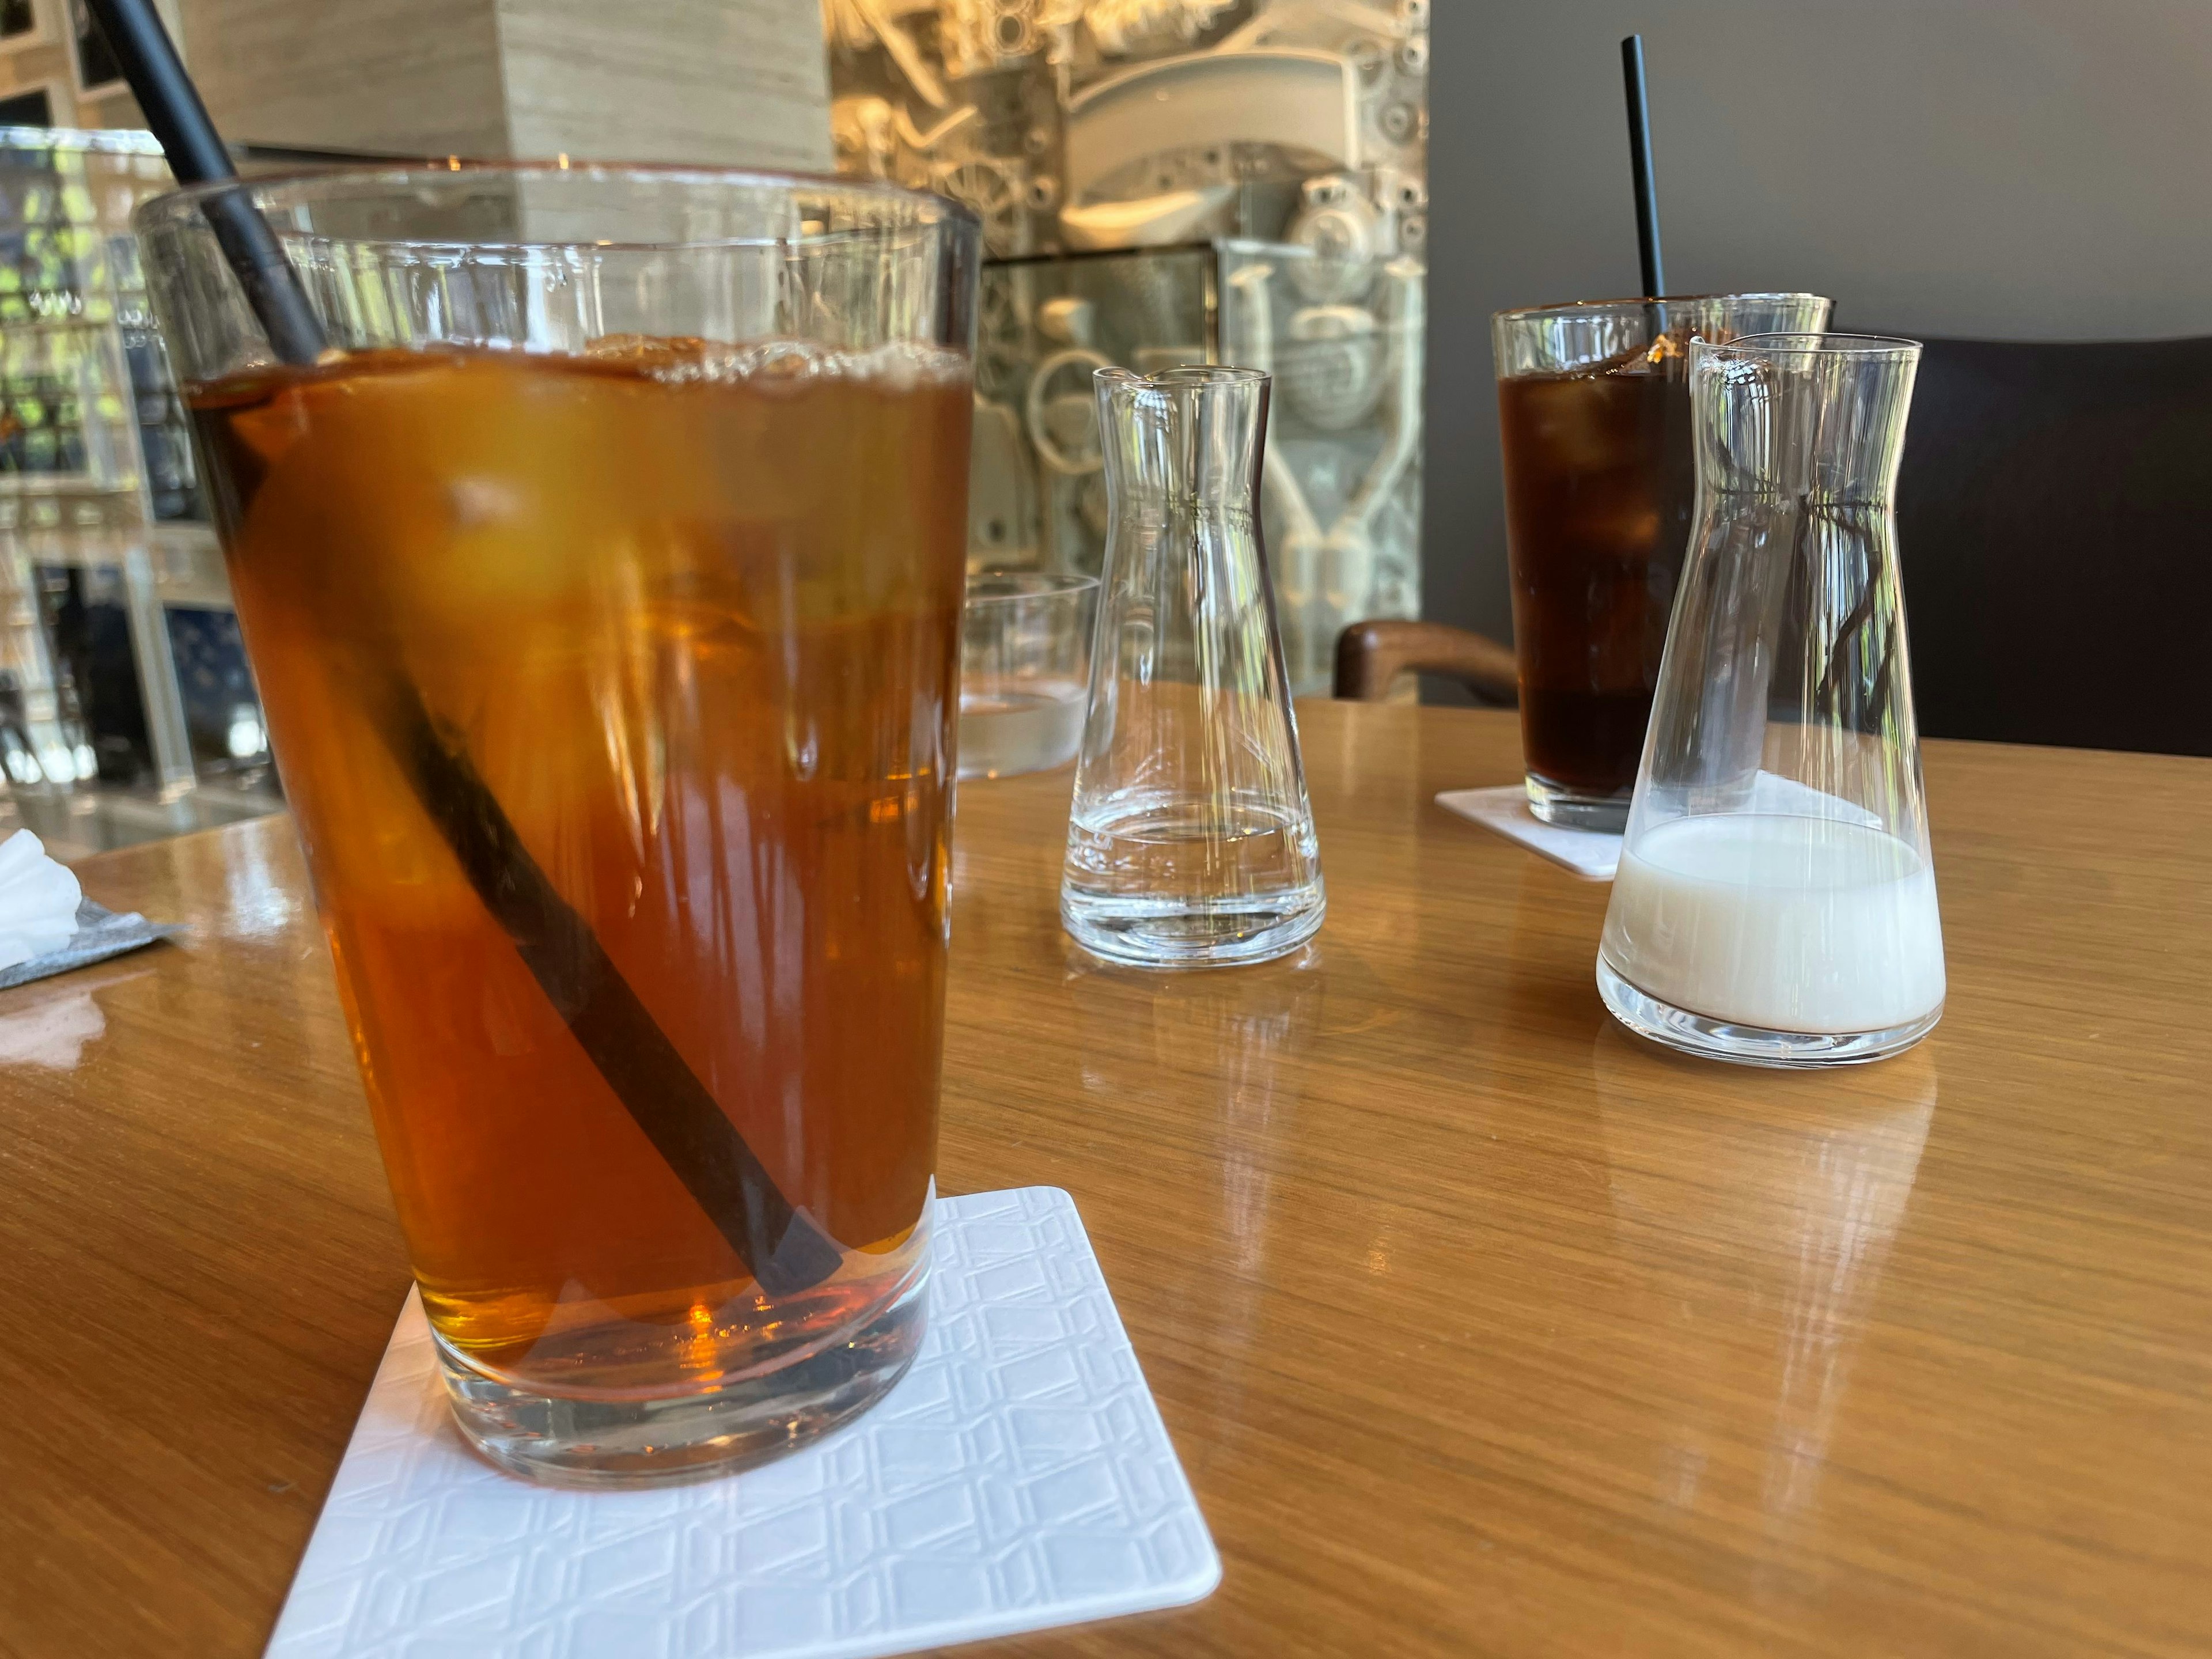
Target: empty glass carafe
1190, 843
1776, 902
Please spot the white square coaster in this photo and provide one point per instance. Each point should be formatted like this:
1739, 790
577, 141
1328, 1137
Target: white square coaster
1017, 1477
1586, 852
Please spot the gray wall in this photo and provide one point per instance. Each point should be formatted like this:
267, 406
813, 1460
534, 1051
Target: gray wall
2021, 169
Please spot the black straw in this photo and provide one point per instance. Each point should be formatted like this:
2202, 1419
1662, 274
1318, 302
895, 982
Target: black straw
685, 1124
1639, 157
197, 155
781, 1246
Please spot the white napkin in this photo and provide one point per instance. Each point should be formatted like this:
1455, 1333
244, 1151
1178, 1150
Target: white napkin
1586, 852
1595, 855
37, 901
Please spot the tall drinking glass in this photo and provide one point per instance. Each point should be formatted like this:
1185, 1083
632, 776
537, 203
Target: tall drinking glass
1593, 420
1776, 902
603, 581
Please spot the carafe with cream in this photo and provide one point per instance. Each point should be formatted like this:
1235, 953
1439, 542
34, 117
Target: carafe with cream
1776, 900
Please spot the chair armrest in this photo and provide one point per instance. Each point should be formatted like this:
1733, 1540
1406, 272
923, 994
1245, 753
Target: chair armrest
1369, 655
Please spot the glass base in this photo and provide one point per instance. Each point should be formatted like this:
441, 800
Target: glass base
1554, 803
1751, 1045
1152, 934
562, 1441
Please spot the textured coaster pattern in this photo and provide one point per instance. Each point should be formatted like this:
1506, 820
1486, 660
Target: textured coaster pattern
1019, 1477
1586, 852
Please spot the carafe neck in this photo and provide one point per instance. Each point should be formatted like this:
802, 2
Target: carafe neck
1185, 441
1815, 418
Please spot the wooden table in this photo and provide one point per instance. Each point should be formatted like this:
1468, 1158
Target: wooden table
1482, 1327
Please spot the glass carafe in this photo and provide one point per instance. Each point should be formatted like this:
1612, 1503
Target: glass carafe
1190, 843
1776, 901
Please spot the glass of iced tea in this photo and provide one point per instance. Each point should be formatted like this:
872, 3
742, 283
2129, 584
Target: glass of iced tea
602, 577
1594, 421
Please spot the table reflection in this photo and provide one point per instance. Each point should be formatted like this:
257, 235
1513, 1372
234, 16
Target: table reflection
1771, 1209
51, 1032
1229, 1047
260, 899
1229, 1042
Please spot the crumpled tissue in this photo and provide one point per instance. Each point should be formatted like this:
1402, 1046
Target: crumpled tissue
39, 900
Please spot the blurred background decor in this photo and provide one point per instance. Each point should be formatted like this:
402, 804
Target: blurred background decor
2025, 174
120, 661
1144, 167
1173, 181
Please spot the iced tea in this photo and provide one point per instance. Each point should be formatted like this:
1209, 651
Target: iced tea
684, 621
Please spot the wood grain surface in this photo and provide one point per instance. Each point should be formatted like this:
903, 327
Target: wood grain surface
1482, 1327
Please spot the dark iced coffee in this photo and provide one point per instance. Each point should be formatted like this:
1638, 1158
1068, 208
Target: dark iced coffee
1593, 419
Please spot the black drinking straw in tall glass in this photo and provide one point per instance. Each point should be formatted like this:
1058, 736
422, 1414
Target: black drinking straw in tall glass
1652, 267
582, 522
675, 1111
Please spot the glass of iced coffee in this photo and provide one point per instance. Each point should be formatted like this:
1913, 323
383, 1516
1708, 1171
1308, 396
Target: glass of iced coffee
603, 579
1593, 420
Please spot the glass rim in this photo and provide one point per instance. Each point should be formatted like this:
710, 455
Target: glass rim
1865, 347
1182, 375
1022, 585
1585, 308
404, 178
